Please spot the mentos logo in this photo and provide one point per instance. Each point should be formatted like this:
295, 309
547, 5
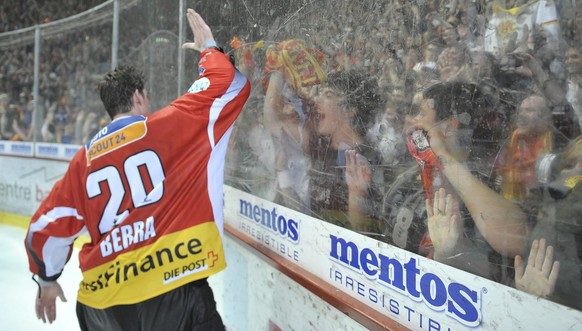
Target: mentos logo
21, 149
48, 150
271, 219
457, 300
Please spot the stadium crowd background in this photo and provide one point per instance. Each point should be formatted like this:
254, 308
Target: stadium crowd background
71, 61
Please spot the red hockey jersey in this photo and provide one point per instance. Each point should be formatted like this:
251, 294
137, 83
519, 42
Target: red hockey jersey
148, 191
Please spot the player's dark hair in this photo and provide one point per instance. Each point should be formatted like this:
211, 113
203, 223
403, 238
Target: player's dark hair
117, 87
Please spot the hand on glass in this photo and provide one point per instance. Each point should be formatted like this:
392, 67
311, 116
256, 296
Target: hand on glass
46, 308
201, 30
443, 224
358, 174
540, 275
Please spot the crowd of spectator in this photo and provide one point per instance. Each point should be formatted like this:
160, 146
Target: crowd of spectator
71, 61
15, 15
434, 126
67, 62
446, 128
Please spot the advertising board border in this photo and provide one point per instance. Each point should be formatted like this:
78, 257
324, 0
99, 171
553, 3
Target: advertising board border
470, 302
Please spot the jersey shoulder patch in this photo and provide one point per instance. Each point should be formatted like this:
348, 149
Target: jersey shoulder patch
200, 84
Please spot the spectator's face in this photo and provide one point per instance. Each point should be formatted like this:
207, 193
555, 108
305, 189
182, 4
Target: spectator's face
449, 63
450, 36
573, 61
409, 121
391, 113
329, 104
531, 118
481, 66
430, 53
426, 117
409, 42
396, 114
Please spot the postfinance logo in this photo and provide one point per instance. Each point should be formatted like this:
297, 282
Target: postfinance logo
456, 300
139, 274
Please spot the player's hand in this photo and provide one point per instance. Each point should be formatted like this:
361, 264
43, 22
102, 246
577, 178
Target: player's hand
200, 29
540, 275
46, 308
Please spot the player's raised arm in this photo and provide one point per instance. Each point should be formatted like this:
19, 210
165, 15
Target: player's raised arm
216, 70
217, 79
203, 38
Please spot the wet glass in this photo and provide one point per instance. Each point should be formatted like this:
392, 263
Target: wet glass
498, 83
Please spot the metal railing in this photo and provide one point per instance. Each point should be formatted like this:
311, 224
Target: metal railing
63, 59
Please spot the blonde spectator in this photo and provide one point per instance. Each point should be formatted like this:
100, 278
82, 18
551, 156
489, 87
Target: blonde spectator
533, 136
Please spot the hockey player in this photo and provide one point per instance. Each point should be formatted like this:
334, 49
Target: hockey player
147, 189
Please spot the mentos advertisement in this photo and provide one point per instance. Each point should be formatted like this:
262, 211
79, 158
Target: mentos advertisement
417, 292
38, 149
271, 225
56, 151
20, 148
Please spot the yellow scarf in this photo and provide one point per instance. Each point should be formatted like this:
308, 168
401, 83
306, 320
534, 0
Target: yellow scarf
301, 64
518, 168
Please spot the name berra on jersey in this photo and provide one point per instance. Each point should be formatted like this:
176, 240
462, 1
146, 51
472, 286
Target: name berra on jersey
124, 236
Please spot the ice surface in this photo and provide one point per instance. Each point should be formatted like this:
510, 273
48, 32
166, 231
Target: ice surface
18, 291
